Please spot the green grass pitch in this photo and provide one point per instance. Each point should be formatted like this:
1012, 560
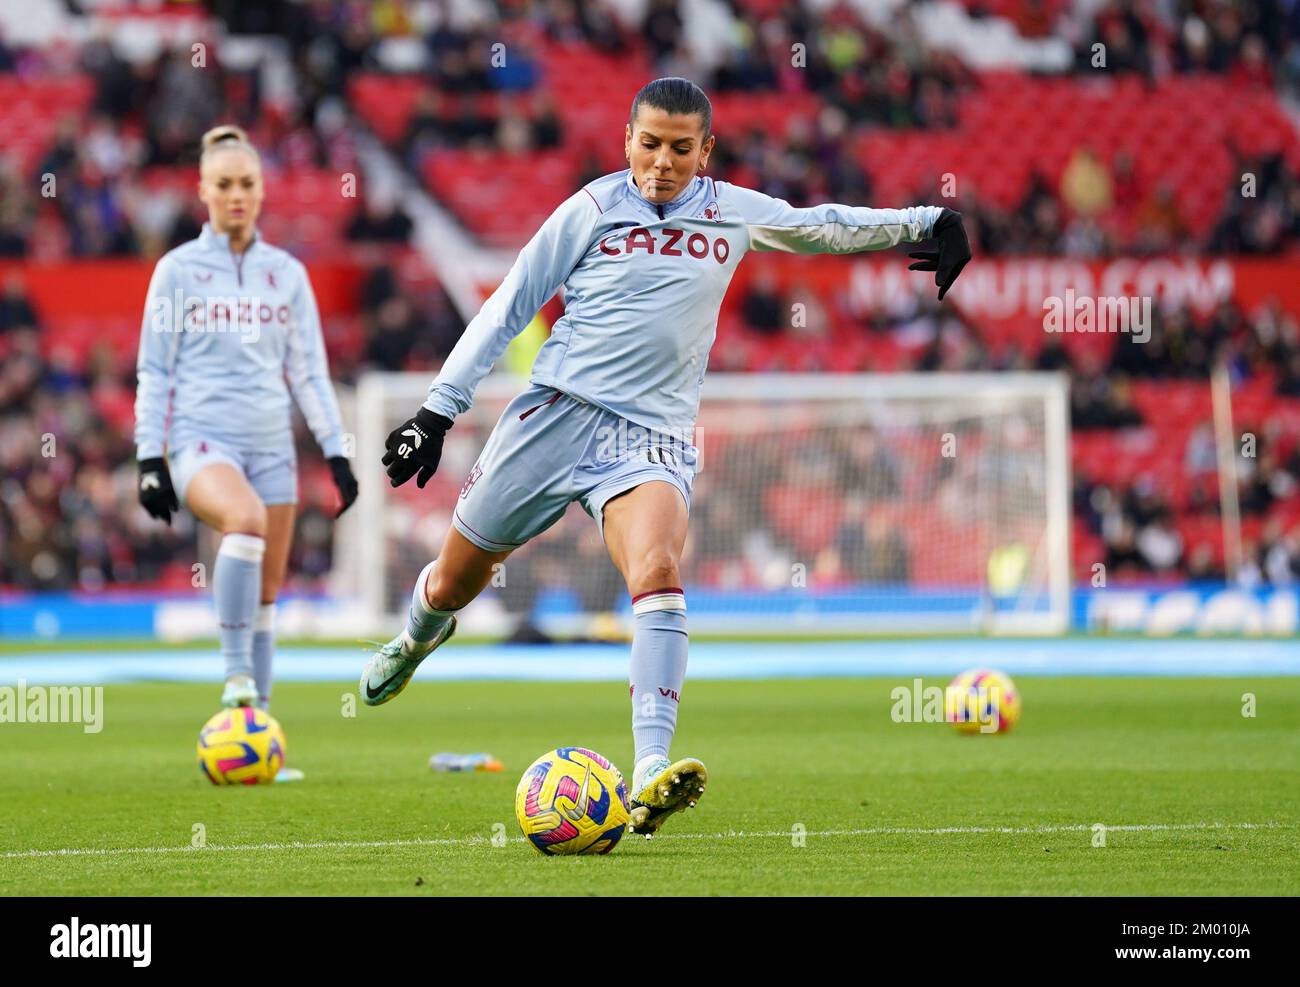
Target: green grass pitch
1210, 799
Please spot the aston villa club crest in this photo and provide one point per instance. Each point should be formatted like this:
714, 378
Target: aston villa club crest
711, 211
470, 480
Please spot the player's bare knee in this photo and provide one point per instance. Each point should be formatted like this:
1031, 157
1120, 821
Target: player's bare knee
654, 570
246, 519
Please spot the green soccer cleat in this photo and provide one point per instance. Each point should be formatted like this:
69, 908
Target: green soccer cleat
240, 690
389, 671
663, 788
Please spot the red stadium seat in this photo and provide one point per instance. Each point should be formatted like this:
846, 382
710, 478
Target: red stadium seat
32, 109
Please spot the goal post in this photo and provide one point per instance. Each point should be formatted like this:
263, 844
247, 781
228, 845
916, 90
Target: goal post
823, 503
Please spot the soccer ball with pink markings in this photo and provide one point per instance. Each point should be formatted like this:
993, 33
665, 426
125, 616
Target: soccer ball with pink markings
572, 800
243, 746
982, 700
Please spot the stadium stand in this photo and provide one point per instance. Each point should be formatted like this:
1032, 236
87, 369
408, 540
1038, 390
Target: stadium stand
1144, 159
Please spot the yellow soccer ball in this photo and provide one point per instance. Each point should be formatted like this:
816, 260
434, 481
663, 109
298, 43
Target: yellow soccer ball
572, 800
243, 746
982, 701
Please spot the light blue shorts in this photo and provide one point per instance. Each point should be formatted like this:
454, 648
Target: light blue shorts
550, 449
273, 475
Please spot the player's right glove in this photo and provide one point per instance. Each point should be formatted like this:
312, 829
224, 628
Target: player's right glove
952, 255
415, 446
156, 492
341, 470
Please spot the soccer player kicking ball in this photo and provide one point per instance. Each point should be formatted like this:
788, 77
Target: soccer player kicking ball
645, 257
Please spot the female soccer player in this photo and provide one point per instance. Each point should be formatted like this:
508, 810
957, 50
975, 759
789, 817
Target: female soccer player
645, 257
228, 319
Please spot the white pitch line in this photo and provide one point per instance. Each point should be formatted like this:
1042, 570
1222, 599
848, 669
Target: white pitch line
786, 833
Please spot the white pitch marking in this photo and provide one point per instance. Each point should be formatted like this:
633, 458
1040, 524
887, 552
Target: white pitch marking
481, 840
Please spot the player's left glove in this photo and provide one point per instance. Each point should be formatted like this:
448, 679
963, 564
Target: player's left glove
415, 446
157, 495
952, 255
344, 480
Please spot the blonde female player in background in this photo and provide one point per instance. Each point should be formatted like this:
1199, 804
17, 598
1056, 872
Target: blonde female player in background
645, 256
228, 321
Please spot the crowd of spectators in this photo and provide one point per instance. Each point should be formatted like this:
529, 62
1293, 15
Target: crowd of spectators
1135, 520
1138, 526
69, 517
68, 514
866, 76
1252, 42
151, 113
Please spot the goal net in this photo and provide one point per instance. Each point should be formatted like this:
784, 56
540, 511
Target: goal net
906, 503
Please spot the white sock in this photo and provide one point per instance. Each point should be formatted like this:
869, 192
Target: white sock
423, 623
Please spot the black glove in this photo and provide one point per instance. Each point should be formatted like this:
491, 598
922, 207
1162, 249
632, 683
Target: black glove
415, 445
156, 491
344, 480
952, 255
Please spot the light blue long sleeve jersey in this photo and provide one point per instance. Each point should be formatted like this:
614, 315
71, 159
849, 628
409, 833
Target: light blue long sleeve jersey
643, 284
226, 338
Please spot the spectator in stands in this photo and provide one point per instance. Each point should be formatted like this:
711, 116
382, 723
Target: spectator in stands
1102, 401
1126, 188
1032, 19
426, 129
662, 27
394, 335
463, 67
1288, 384
1123, 560
1160, 225
765, 309
1281, 555
21, 371
869, 469
1086, 186
16, 209
15, 310
467, 125
1250, 69
1160, 544
1262, 480
874, 551
1053, 356
99, 226
1201, 456
545, 122
1201, 566
380, 220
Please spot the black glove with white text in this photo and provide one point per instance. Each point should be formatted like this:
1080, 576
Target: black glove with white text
415, 446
